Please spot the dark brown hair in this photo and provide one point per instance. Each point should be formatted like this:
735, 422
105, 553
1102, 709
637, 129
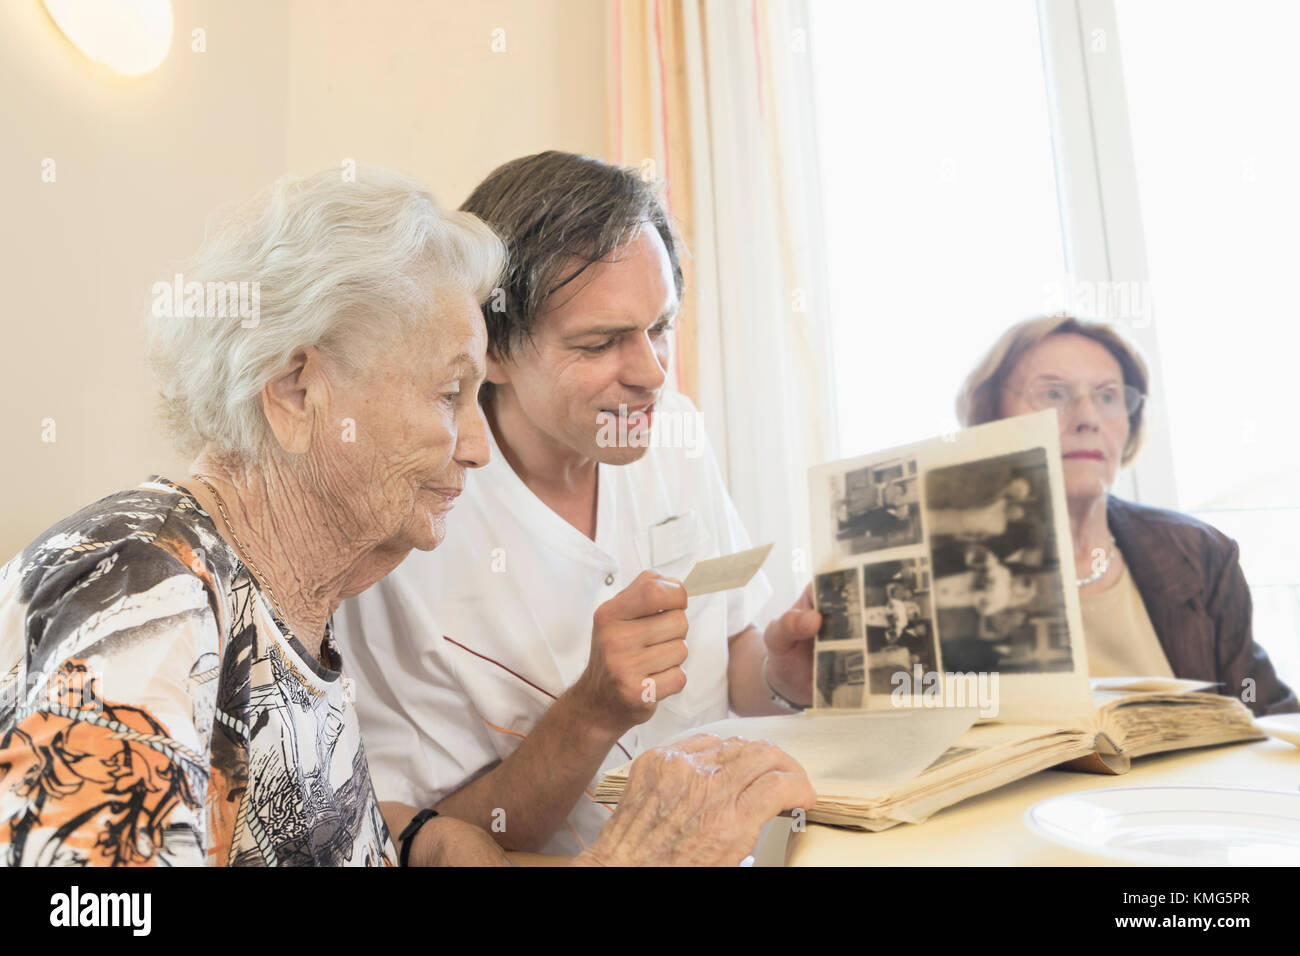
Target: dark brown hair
558, 213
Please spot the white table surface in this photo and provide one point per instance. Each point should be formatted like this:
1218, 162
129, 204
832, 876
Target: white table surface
989, 830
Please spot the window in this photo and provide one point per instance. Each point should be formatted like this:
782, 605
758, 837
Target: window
984, 162
936, 150
1216, 138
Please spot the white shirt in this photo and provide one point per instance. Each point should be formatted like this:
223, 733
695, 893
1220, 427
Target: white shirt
459, 652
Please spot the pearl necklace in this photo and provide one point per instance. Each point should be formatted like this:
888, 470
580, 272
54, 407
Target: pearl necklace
1100, 572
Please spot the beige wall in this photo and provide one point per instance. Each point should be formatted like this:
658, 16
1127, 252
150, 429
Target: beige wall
416, 85
283, 86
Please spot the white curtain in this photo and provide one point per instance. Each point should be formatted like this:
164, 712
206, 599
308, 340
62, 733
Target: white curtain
716, 96
763, 350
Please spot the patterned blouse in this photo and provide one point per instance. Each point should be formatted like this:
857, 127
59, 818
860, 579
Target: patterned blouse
153, 710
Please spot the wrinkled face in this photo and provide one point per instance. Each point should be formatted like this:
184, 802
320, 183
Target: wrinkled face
416, 428
599, 357
1092, 440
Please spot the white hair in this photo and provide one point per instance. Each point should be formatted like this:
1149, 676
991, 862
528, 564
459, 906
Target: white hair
342, 264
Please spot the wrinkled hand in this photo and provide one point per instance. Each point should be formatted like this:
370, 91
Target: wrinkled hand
789, 642
701, 802
638, 646
446, 841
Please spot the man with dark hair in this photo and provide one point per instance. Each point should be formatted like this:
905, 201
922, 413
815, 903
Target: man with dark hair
559, 213
550, 638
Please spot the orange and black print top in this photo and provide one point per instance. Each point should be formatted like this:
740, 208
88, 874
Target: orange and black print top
154, 711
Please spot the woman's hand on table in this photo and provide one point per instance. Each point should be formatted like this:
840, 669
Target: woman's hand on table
701, 802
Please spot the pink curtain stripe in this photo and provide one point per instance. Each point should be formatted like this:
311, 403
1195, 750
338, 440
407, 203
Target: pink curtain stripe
618, 82
663, 103
667, 176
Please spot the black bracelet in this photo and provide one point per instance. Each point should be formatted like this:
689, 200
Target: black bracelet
408, 835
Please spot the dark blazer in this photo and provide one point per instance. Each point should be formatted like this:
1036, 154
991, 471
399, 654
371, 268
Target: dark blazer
1189, 578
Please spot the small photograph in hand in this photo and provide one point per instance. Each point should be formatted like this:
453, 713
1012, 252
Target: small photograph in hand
899, 612
997, 592
839, 599
839, 677
876, 507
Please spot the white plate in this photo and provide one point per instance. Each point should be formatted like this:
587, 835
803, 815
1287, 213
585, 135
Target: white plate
1150, 685
1282, 726
1176, 826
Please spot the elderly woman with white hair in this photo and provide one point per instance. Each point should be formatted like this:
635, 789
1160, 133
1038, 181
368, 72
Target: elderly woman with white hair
170, 688
1162, 593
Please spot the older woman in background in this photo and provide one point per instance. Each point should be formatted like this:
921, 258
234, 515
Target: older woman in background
170, 689
1161, 593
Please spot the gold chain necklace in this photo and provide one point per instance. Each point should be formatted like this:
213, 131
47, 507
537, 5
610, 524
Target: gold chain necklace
243, 552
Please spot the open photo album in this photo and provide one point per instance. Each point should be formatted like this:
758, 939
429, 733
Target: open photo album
951, 658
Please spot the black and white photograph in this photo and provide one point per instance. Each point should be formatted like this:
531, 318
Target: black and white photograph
876, 507
898, 609
839, 678
839, 599
997, 578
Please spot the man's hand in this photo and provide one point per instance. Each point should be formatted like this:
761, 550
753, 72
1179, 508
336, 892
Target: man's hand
444, 841
638, 646
789, 642
699, 803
